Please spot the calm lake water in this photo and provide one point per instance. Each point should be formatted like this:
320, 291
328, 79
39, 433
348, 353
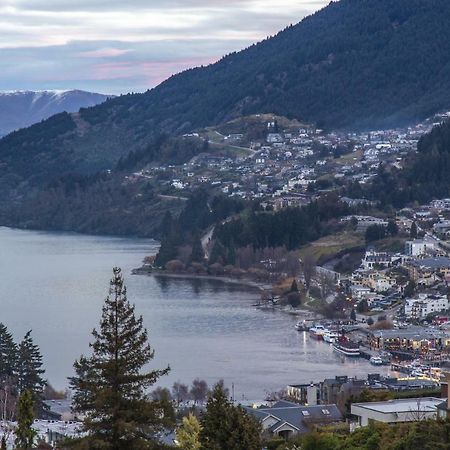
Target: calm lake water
55, 285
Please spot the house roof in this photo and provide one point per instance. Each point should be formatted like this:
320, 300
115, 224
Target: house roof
425, 404
297, 416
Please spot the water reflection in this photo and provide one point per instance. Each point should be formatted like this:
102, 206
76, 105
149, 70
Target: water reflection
56, 283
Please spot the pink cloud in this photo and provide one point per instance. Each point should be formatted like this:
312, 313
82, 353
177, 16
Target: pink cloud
104, 53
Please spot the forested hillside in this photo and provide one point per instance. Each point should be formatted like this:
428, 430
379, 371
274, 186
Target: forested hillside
356, 63
424, 177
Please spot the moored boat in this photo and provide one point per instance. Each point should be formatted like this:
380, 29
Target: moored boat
330, 337
347, 348
302, 326
317, 332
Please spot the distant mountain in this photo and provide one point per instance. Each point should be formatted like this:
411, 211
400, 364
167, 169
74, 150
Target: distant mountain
20, 109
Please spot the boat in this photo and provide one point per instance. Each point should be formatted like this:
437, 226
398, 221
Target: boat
347, 348
376, 360
302, 326
330, 337
317, 332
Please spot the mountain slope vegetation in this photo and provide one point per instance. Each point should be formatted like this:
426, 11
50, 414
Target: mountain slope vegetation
356, 63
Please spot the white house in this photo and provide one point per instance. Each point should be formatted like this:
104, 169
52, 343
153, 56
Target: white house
420, 307
418, 247
395, 411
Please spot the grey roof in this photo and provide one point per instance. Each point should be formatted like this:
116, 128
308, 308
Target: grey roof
297, 416
418, 333
59, 406
432, 263
425, 404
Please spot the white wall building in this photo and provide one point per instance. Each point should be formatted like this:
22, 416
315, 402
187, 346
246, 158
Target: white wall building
420, 307
418, 247
395, 411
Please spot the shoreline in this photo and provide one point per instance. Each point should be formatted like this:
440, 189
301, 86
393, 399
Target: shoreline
229, 280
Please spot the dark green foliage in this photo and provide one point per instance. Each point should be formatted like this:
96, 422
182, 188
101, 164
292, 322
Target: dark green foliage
197, 254
424, 177
375, 233
25, 417
226, 427
353, 314
362, 306
417, 435
290, 227
392, 228
3, 443
29, 369
294, 299
8, 353
109, 386
370, 321
410, 289
413, 231
294, 287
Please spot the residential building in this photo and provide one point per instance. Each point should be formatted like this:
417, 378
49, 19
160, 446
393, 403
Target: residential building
424, 304
286, 419
396, 411
418, 247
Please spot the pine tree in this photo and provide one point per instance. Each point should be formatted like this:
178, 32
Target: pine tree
225, 426
110, 387
413, 230
8, 353
25, 417
188, 433
197, 255
29, 369
353, 315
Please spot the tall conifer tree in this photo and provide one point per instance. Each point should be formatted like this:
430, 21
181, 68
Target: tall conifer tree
110, 387
29, 369
25, 417
8, 353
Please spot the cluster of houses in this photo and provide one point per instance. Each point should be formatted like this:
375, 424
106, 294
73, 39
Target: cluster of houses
331, 402
281, 168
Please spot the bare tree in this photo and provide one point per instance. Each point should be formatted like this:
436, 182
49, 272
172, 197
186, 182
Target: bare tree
418, 412
8, 403
292, 264
309, 269
180, 392
326, 283
199, 391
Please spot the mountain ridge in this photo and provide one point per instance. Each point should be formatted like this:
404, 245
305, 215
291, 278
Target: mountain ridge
23, 107
359, 63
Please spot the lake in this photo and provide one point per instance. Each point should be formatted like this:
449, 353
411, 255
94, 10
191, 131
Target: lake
55, 284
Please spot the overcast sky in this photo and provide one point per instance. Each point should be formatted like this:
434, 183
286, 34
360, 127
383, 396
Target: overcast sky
118, 46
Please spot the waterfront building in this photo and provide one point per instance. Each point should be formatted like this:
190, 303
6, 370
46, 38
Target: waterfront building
413, 339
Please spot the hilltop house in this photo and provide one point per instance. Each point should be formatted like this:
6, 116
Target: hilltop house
396, 411
286, 419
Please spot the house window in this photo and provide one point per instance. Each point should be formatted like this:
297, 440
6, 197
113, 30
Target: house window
305, 413
326, 412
